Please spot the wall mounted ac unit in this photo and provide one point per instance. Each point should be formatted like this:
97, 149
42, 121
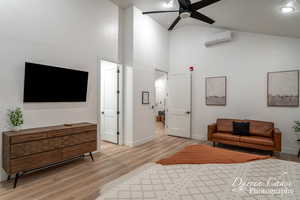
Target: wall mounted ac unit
218, 38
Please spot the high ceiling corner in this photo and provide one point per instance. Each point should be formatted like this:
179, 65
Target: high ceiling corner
257, 16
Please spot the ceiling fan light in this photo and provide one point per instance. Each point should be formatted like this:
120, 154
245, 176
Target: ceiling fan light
185, 15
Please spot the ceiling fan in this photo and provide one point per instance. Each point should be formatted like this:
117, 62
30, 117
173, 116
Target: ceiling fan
188, 9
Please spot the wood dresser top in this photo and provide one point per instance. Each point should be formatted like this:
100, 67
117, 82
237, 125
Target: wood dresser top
48, 129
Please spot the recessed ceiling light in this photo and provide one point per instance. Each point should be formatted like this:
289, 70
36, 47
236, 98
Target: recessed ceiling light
287, 10
169, 4
289, 6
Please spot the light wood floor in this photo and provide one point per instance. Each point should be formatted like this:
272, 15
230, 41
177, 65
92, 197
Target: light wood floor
82, 179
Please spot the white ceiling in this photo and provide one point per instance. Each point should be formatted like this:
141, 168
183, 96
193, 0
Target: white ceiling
258, 16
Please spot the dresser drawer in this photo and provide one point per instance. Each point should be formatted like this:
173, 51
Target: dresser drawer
58, 133
71, 131
70, 152
84, 129
35, 161
79, 138
27, 137
28, 148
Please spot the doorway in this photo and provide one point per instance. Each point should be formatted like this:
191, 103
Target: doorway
111, 102
161, 78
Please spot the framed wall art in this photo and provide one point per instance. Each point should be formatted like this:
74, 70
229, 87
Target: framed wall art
283, 88
216, 91
145, 98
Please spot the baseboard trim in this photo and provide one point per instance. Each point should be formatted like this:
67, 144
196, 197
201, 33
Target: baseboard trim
140, 142
292, 151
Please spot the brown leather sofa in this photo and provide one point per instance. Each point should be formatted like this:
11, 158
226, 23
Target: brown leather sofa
263, 135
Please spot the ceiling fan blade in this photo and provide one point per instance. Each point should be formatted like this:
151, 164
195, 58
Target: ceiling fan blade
163, 11
199, 16
203, 3
175, 23
184, 3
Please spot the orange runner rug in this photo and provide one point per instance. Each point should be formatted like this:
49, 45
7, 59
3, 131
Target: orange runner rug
204, 154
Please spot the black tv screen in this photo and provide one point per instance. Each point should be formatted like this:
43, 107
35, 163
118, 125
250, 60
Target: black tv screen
53, 84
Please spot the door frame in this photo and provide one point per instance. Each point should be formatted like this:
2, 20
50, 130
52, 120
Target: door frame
120, 101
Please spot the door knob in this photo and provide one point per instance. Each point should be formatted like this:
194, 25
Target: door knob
188, 112
102, 113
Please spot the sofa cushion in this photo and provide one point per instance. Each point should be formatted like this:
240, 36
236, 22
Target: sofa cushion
226, 136
257, 140
225, 125
259, 128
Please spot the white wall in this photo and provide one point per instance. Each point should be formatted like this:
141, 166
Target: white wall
245, 61
144, 124
66, 33
146, 48
128, 106
128, 36
151, 43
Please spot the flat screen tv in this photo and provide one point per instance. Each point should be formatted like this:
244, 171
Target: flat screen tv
53, 84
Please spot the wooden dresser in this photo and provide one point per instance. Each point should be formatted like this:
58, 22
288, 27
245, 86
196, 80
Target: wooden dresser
31, 149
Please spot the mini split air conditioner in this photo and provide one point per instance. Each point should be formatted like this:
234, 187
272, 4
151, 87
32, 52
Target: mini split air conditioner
218, 38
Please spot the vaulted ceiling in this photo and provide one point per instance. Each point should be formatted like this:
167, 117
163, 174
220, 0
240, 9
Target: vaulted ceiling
258, 16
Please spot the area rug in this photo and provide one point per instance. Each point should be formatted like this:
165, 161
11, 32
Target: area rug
204, 154
268, 179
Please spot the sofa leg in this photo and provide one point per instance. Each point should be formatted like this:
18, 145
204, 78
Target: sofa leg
272, 153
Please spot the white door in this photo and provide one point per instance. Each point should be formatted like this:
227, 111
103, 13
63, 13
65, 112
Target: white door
179, 105
109, 101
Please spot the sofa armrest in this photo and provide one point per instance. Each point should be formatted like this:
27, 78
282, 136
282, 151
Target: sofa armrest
211, 130
277, 139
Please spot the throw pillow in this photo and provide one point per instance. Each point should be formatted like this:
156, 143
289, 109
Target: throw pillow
241, 128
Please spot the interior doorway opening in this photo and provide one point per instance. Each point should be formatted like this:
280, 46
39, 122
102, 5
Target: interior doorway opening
111, 101
161, 79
